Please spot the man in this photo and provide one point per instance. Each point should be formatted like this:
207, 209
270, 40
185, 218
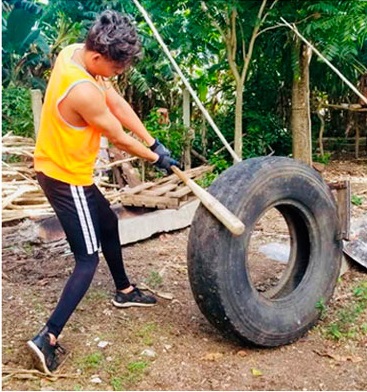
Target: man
79, 107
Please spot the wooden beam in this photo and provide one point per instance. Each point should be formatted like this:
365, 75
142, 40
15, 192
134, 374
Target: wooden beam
36, 98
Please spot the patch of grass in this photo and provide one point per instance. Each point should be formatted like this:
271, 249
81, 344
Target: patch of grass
207, 179
39, 307
137, 367
324, 159
147, 328
321, 306
97, 295
146, 333
91, 361
345, 324
134, 373
154, 280
357, 200
117, 383
8, 350
28, 248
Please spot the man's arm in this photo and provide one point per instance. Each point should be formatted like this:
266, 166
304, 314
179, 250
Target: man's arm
86, 100
121, 109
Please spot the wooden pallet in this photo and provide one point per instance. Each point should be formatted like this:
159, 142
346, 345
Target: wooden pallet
168, 192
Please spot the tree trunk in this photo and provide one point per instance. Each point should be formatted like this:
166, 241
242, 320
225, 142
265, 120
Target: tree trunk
301, 118
238, 121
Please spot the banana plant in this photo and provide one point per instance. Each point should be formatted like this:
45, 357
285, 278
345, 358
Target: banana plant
25, 49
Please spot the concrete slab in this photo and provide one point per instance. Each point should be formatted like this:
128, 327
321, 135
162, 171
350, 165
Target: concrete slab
136, 228
135, 224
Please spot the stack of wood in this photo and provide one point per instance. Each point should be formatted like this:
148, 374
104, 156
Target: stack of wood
22, 197
21, 194
168, 192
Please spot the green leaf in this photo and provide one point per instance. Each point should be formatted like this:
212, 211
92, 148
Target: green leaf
42, 44
29, 39
20, 23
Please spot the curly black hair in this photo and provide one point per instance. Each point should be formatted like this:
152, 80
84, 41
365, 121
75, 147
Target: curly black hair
114, 36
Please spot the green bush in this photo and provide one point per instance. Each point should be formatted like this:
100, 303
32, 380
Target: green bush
173, 136
17, 112
263, 134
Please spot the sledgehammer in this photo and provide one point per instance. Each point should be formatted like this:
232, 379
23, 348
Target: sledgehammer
230, 221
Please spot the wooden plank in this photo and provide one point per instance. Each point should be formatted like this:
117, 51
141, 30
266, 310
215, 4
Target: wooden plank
130, 174
180, 192
343, 193
9, 199
141, 200
159, 191
139, 188
148, 185
31, 200
26, 207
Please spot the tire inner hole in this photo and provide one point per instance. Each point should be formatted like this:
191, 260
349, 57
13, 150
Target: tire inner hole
271, 260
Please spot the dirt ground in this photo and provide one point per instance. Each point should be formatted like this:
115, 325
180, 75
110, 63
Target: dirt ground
172, 346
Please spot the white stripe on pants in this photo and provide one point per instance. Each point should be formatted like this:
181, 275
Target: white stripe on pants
84, 218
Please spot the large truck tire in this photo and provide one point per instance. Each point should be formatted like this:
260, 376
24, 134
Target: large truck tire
218, 261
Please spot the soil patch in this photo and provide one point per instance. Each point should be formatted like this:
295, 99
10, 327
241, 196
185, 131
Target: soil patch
172, 346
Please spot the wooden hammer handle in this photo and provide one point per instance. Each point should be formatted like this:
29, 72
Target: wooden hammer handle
229, 220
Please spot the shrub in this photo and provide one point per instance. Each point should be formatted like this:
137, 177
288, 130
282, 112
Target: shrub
17, 112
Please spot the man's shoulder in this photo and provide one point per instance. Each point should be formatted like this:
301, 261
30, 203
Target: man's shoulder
85, 91
70, 48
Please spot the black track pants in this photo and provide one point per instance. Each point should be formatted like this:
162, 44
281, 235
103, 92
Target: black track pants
88, 222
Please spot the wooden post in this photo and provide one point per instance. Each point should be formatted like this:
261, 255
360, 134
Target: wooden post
36, 98
186, 121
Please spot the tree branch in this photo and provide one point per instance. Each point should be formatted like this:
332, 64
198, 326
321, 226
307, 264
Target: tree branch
233, 34
270, 8
261, 10
271, 28
227, 40
252, 40
283, 24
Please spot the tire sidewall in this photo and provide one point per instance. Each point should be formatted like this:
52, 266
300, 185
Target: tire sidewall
269, 183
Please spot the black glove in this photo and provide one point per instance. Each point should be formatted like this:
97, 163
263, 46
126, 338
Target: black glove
165, 162
159, 148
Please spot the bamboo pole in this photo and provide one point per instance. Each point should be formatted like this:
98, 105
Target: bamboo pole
186, 82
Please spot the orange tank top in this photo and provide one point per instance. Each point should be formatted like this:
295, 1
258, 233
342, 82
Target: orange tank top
63, 151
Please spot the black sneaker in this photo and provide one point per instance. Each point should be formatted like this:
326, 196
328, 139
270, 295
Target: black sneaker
135, 298
46, 356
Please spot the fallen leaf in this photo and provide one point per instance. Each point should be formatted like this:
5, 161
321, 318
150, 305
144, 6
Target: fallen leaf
212, 357
163, 295
339, 358
160, 294
242, 353
354, 359
256, 372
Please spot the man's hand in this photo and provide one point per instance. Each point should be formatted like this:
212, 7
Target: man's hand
159, 148
165, 162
